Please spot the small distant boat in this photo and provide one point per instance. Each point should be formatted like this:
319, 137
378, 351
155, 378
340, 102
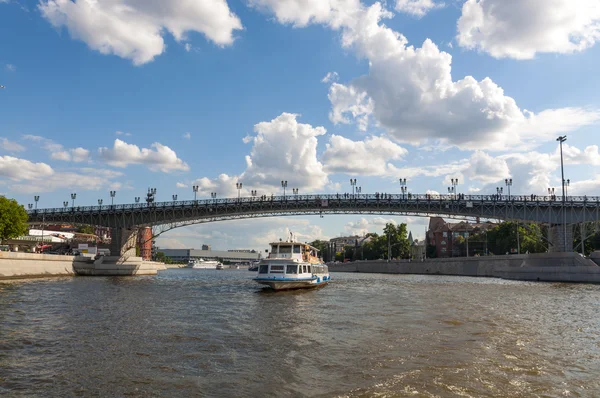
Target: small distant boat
205, 264
292, 265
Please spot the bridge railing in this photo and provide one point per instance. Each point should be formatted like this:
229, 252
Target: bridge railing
319, 199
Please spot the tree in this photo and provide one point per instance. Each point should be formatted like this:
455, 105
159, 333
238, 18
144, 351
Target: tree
13, 219
87, 229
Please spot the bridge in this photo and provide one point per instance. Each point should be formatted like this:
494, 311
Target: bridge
125, 219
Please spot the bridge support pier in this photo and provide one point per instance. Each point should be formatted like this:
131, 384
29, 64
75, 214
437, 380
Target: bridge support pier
123, 241
556, 236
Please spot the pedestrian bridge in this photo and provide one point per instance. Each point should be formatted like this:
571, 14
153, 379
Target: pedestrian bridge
124, 219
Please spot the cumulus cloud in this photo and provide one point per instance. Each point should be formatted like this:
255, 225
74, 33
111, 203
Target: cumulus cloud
224, 186
85, 179
11, 146
418, 8
181, 185
158, 158
284, 149
135, 29
523, 28
330, 77
21, 169
364, 226
368, 157
410, 92
75, 155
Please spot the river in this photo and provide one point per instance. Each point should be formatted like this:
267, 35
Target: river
218, 334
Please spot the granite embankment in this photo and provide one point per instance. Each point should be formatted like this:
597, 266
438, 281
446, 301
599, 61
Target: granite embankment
29, 265
555, 267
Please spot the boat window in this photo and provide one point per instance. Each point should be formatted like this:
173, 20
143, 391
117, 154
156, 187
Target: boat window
297, 249
263, 269
277, 269
291, 269
305, 268
285, 249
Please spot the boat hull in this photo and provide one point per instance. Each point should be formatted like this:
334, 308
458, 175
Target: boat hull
291, 284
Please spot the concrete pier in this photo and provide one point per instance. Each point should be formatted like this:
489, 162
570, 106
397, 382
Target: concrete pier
30, 265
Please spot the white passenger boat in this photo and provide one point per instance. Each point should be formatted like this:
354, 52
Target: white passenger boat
205, 264
292, 265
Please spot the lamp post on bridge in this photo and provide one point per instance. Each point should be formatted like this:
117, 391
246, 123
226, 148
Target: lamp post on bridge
150, 196
358, 190
295, 192
567, 183
30, 205
353, 183
112, 197
214, 196
195, 189
65, 204
499, 191
253, 193
454, 182
551, 193
508, 182
137, 199
238, 185
284, 185
561, 139
36, 198
100, 203
73, 196
174, 198
403, 186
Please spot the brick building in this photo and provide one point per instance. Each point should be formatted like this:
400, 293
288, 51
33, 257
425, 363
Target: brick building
444, 236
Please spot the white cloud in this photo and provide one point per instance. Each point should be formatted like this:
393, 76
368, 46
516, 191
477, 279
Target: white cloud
330, 77
284, 149
520, 29
410, 91
418, 8
11, 146
187, 136
349, 100
75, 155
135, 29
224, 186
485, 168
20, 169
573, 155
10, 68
368, 157
122, 133
181, 185
162, 158
188, 47
87, 179
364, 226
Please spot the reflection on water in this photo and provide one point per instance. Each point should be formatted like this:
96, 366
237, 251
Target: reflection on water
217, 333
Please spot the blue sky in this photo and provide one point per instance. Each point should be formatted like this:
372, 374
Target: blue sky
128, 94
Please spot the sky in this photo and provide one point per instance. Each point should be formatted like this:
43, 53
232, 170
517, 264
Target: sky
127, 95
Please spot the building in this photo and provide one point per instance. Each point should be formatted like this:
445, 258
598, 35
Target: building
341, 242
185, 255
206, 247
145, 242
445, 237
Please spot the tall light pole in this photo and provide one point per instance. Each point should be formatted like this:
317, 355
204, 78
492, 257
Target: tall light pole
30, 205
100, 203
253, 193
195, 189
112, 197
214, 196
353, 183
65, 204
284, 186
358, 190
561, 139
499, 191
174, 198
137, 199
295, 191
36, 198
73, 196
454, 184
403, 186
551, 192
238, 185
508, 182
567, 183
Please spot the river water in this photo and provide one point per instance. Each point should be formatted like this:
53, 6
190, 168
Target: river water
218, 334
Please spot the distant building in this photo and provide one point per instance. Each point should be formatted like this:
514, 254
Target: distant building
341, 242
205, 247
185, 255
443, 236
145, 242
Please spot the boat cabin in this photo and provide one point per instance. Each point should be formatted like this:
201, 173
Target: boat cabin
292, 270
294, 251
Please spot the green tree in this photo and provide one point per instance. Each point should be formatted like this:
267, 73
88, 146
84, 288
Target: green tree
13, 219
87, 229
323, 247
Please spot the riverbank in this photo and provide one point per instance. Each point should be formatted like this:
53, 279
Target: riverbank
14, 265
555, 267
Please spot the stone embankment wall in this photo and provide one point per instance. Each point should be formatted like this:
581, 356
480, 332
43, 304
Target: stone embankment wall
29, 265
557, 267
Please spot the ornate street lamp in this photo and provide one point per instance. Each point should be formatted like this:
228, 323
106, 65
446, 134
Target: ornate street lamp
65, 204
137, 199
253, 193
284, 185
36, 198
214, 195
112, 197
174, 198
353, 183
567, 183
295, 192
100, 203
562, 139
403, 186
508, 182
73, 196
454, 182
195, 189
238, 185
499, 191
30, 205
